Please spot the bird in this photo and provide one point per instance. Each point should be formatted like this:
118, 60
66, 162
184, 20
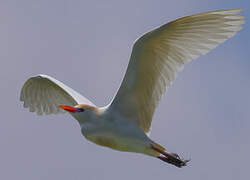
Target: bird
156, 58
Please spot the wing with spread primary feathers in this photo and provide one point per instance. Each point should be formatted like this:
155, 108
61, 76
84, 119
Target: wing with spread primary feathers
42, 94
158, 56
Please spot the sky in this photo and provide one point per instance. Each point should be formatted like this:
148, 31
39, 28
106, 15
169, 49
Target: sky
86, 44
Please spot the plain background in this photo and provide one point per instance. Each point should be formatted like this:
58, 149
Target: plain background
86, 44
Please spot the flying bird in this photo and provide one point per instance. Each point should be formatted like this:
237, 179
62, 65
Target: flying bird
156, 58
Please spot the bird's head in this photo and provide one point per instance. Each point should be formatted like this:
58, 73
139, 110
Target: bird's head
81, 111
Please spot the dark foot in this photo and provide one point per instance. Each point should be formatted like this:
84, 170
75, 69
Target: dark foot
174, 159
170, 158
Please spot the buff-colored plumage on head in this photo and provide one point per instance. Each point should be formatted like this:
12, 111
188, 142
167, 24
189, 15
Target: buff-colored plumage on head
85, 106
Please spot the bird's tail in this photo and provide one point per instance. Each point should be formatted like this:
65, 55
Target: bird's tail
170, 158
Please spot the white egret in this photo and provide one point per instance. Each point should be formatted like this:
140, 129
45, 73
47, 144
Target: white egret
156, 58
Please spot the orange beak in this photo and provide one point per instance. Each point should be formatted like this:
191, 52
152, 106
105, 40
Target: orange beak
69, 108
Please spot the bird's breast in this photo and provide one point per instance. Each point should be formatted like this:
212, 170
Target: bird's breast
119, 136
107, 135
105, 141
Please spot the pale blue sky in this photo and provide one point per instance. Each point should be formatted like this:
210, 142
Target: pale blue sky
86, 44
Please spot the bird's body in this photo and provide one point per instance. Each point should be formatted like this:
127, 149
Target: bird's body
107, 128
156, 59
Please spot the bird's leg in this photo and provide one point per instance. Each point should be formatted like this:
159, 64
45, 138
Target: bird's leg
171, 158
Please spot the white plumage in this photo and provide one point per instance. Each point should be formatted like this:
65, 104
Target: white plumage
155, 61
159, 55
43, 94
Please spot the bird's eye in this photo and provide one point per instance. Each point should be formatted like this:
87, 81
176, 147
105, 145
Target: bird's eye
80, 110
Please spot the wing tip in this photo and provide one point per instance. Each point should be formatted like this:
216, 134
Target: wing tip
227, 11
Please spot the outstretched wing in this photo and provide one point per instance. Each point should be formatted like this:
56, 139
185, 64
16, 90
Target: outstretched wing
158, 56
43, 94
